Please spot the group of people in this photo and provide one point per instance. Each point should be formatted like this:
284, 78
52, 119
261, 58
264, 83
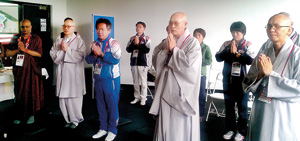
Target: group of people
180, 62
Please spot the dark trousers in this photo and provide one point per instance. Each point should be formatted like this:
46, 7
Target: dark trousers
235, 94
202, 96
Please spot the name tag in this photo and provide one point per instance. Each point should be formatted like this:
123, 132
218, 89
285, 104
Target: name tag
263, 96
236, 69
135, 53
97, 69
20, 60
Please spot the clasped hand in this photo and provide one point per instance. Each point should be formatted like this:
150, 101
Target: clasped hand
21, 46
64, 46
171, 43
97, 50
136, 40
233, 47
265, 65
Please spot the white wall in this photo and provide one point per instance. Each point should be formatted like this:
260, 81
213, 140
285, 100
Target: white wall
215, 16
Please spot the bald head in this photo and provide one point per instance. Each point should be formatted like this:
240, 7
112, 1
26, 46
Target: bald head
287, 15
279, 28
25, 26
69, 27
179, 15
178, 24
25, 21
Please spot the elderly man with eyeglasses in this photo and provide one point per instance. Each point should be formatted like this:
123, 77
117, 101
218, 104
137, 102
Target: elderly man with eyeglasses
68, 52
274, 78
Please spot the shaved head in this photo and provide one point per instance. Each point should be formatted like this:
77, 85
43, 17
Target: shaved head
25, 21
69, 27
279, 28
283, 17
25, 27
287, 15
179, 15
178, 24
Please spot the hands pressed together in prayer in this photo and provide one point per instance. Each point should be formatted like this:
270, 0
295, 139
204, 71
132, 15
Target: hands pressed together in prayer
265, 65
64, 46
21, 46
97, 50
171, 43
136, 40
233, 49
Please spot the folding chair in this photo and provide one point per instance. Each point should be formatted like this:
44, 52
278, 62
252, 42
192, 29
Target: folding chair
250, 103
215, 96
213, 70
150, 79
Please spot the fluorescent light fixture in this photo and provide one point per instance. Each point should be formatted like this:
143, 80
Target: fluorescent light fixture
6, 35
7, 4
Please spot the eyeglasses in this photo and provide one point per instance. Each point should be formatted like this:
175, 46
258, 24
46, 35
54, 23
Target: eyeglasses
269, 26
67, 26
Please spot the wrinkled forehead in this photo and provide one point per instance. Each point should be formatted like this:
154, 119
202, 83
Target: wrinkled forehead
280, 20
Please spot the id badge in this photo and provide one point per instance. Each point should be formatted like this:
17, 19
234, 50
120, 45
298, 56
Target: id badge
98, 68
263, 96
236, 69
135, 53
20, 60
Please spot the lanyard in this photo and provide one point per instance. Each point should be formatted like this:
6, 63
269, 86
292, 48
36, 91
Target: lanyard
142, 38
70, 42
105, 44
244, 44
184, 41
287, 60
28, 39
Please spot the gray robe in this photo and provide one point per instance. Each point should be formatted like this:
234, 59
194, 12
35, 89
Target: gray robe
295, 37
278, 120
70, 79
177, 91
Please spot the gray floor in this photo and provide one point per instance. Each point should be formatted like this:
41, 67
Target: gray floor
136, 123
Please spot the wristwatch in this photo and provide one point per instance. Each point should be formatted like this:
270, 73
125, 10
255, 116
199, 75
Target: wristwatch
236, 53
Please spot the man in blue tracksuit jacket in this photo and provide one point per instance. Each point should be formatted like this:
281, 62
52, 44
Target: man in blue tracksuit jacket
105, 56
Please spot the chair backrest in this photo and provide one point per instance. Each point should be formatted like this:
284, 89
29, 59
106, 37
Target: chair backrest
218, 84
213, 71
151, 74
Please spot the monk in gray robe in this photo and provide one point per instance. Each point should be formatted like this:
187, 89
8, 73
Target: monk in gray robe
68, 54
178, 75
274, 78
294, 36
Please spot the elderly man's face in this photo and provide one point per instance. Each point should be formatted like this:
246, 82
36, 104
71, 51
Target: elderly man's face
177, 25
278, 28
69, 27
